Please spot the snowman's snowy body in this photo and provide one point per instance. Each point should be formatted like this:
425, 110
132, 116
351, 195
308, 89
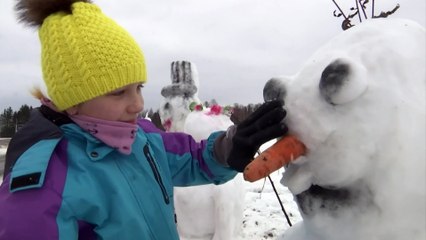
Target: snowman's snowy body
209, 211
359, 106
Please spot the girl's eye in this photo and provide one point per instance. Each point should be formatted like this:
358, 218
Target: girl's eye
139, 88
117, 93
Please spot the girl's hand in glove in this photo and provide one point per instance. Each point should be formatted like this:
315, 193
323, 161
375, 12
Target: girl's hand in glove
239, 144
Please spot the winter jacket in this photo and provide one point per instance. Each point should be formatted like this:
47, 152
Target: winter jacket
66, 184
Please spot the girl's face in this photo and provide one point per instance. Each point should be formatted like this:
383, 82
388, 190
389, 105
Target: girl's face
123, 105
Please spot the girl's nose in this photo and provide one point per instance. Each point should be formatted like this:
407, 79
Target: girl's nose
136, 104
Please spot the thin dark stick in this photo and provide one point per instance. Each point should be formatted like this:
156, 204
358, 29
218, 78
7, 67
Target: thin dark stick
340, 9
372, 10
359, 13
278, 197
279, 200
363, 10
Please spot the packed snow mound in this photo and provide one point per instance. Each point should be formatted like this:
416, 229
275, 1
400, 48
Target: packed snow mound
207, 211
359, 106
200, 123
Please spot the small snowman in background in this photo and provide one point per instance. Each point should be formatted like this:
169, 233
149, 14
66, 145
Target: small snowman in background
179, 95
210, 212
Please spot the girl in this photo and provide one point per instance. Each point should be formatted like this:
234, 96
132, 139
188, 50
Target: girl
85, 166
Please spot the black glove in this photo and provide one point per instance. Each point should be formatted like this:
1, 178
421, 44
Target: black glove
240, 143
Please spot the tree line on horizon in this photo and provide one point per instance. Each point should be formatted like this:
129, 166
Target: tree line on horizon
11, 121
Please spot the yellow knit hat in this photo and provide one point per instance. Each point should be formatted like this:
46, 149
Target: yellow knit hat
85, 54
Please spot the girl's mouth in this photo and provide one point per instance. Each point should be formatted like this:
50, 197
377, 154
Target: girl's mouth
134, 121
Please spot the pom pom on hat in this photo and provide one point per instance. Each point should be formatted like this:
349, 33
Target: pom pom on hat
33, 12
84, 54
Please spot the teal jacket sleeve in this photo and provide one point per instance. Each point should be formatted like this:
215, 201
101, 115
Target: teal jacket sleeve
190, 162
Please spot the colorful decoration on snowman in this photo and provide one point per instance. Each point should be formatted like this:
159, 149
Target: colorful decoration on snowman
215, 109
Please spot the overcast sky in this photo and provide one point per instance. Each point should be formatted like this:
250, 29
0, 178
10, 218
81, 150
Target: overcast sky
237, 45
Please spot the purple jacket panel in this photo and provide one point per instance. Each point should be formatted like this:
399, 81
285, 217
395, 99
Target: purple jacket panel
172, 138
38, 206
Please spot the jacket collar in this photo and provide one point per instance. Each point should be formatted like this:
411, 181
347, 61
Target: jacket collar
95, 149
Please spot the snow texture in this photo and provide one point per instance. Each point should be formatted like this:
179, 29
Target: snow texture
359, 106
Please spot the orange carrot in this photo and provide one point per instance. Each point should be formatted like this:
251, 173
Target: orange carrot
282, 152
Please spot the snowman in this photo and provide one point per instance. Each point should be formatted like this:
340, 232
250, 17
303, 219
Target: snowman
210, 212
359, 106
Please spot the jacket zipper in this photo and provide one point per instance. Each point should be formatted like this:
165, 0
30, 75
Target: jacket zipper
156, 173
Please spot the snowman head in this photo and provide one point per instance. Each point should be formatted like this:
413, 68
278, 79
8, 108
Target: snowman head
179, 95
358, 105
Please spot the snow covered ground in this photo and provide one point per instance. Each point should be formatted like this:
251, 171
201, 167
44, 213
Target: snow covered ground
263, 217
3, 147
2, 154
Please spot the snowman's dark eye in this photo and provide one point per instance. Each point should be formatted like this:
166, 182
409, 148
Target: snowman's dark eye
333, 78
166, 106
343, 81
